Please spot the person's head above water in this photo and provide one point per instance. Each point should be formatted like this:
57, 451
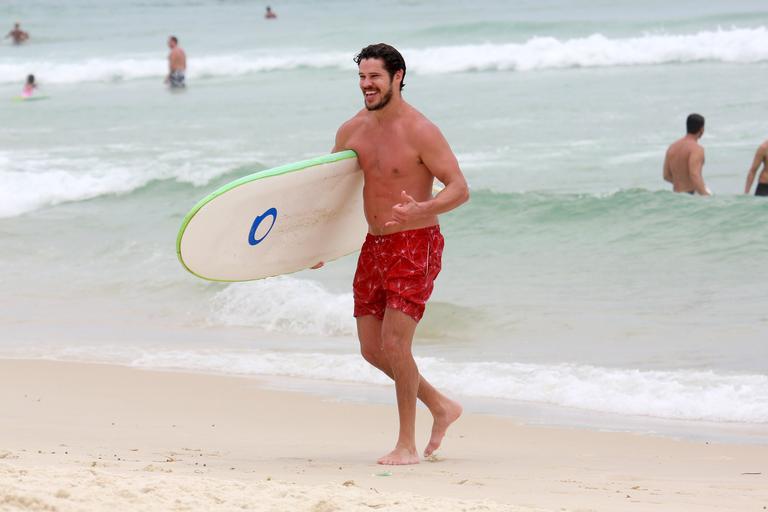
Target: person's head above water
173, 41
393, 61
694, 124
30, 79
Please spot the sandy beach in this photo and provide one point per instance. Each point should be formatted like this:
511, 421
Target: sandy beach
97, 437
604, 334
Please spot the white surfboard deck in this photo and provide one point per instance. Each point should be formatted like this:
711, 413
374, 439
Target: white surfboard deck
276, 221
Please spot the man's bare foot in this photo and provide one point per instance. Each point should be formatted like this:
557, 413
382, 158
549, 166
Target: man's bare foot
451, 413
400, 456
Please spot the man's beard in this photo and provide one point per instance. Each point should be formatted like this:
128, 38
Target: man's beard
382, 103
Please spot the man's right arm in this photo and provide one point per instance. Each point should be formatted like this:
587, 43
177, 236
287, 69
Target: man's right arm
759, 159
342, 136
173, 58
340, 144
695, 167
667, 173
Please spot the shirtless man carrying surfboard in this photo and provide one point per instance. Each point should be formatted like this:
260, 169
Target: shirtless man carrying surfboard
401, 153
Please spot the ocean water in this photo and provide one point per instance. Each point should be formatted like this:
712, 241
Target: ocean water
573, 282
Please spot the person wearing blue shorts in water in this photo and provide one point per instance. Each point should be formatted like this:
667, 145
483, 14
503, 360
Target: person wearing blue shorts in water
177, 64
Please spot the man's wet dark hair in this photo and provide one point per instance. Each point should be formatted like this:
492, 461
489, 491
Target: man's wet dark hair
174, 39
392, 59
694, 123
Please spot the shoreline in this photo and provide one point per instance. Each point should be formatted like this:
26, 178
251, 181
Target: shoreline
86, 436
535, 414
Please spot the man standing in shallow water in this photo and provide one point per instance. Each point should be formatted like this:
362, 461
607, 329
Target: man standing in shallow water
17, 35
684, 161
401, 153
760, 160
177, 64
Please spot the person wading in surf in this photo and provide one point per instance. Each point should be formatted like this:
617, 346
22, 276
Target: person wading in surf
684, 161
17, 35
760, 160
401, 153
177, 64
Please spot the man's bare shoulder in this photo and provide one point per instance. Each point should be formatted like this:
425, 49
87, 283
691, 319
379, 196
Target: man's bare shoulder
679, 143
420, 129
356, 122
685, 146
349, 128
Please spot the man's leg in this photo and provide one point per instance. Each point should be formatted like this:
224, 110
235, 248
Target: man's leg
396, 338
444, 410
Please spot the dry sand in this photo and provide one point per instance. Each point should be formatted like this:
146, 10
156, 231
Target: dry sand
98, 437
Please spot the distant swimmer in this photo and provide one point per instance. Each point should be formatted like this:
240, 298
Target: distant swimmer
761, 158
177, 64
18, 35
684, 161
29, 87
270, 14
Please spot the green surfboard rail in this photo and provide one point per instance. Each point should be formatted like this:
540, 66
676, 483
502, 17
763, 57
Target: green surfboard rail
267, 173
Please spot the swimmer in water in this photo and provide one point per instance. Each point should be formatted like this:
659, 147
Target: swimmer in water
177, 64
684, 161
17, 35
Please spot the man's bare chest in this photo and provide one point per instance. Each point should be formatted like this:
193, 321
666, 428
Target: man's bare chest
388, 157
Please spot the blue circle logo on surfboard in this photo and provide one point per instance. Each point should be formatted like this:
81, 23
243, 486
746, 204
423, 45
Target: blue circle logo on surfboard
272, 212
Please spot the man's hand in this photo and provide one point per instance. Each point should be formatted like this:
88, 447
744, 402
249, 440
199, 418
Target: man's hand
404, 211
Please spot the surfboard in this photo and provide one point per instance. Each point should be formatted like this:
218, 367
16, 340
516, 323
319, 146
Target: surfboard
30, 98
277, 221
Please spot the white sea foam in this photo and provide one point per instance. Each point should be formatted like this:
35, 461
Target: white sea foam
679, 394
736, 45
22, 192
118, 69
682, 394
32, 180
284, 304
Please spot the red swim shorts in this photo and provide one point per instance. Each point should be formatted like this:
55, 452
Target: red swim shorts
397, 271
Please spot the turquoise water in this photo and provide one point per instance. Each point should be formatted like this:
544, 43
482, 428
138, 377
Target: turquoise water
573, 278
